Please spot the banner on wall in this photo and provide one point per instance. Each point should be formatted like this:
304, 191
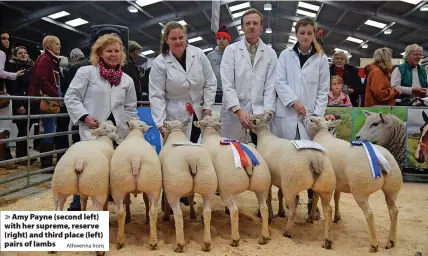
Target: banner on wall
401, 130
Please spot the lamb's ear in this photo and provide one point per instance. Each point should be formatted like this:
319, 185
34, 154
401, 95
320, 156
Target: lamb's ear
367, 113
267, 116
146, 127
334, 123
382, 117
127, 123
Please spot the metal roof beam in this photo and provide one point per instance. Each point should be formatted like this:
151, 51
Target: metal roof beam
348, 32
171, 16
43, 12
362, 9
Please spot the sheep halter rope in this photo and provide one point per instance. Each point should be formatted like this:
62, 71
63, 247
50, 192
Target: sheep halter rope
239, 150
376, 159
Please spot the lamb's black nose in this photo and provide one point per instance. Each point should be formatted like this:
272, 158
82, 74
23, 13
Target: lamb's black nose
358, 137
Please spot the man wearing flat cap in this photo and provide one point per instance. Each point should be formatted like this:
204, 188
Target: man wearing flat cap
131, 69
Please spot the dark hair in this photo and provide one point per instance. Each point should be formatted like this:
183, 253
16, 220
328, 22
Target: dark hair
164, 48
2, 48
309, 21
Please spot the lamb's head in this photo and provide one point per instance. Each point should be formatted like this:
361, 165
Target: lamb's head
260, 122
138, 124
376, 128
210, 122
170, 126
315, 124
108, 129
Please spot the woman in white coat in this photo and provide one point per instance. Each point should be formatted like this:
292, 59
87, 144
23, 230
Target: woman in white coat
302, 85
101, 92
182, 83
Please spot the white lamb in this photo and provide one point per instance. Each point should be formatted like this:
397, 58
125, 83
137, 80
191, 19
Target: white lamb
135, 168
354, 175
186, 170
84, 169
233, 180
296, 170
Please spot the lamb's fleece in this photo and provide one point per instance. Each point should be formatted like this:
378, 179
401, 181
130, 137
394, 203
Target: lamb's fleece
84, 168
295, 170
186, 170
232, 180
135, 168
354, 175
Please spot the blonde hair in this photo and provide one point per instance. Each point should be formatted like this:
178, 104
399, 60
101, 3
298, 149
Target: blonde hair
102, 43
252, 11
164, 47
309, 21
382, 57
337, 54
48, 41
338, 78
410, 49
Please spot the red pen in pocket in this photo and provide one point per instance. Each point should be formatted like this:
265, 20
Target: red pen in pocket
190, 109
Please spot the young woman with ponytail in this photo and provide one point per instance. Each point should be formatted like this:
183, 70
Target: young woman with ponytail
302, 85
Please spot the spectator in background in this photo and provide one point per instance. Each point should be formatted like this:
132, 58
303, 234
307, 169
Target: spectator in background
131, 69
223, 38
19, 87
6, 125
352, 85
45, 81
410, 77
336, 95
378, 86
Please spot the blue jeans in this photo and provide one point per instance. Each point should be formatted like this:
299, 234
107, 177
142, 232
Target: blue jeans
49, 126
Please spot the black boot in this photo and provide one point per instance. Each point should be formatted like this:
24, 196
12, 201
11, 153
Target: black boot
46, 161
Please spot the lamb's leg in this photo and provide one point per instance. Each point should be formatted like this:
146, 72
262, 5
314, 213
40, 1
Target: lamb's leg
97, 205
59, 201
121, 215
281, 211
229, 201
83, 202
128, 208
207, 221
146, 203
166, 208
269, 205
192, 206
153, 219
174, 202
363, 203
337, 215
390, 198
261, 197
290, 200
326, 207
312, 214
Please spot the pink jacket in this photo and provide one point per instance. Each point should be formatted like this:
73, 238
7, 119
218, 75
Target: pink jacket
343, 99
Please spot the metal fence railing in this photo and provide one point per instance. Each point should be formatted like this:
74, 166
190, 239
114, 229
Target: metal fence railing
29, 173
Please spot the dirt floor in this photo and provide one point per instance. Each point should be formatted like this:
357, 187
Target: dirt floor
350, 235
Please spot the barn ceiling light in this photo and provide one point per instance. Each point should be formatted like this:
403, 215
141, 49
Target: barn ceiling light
268, 31
306, 13
355, 40
364, 46
414, 2
208, 49
147, 52
146, 2
132, 9
182, 22
238, 14
387, 31
338, 49
268, 7
58, 15
375, 24
424, 8
76, 22
192, 40
239, 6
308, 6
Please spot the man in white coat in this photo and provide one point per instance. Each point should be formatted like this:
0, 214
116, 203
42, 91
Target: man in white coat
248, 79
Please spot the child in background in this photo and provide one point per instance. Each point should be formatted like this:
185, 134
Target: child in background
336, 95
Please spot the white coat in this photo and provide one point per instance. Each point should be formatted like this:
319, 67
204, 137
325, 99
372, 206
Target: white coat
251, 87
171, 87
309, 84
91, 94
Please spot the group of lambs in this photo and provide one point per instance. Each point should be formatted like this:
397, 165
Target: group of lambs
95, 169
